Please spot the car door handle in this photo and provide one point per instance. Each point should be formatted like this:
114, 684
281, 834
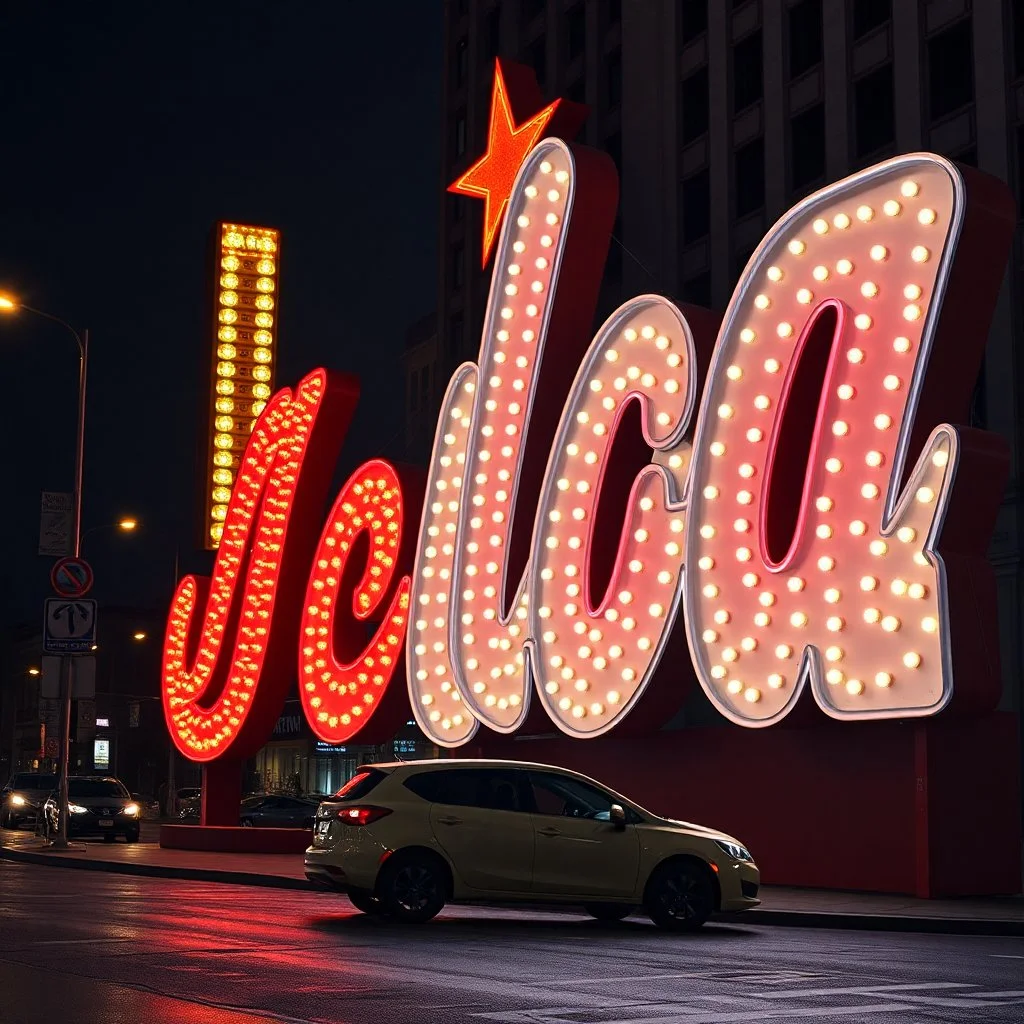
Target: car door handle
449, 819
549, 831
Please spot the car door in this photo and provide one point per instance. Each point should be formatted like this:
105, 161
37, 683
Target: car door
579, 852
480, 818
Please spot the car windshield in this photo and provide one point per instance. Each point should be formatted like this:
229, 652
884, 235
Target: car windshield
31, 781
85, 788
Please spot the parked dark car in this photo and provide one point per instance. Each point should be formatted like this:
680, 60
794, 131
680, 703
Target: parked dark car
23, 796
264, 811
98, 805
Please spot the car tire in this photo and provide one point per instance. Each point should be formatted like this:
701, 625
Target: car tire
608, 912
131, 837
412, 889
6, 821
365, 902
680, 896
110, 837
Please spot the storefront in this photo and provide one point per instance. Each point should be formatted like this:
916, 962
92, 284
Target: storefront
295, 761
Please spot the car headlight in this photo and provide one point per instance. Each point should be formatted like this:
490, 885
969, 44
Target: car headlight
734, 850
131, 810
18, 801
78, 809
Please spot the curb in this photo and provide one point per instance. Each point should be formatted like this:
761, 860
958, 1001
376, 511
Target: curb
776, 918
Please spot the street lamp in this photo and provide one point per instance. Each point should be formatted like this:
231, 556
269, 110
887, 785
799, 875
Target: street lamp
126, 524
10, 305
33, 671
139, 636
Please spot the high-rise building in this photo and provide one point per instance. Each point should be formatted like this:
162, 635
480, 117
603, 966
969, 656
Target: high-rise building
720, 115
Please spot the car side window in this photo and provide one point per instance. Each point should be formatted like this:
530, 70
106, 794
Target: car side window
567, 797
495, 789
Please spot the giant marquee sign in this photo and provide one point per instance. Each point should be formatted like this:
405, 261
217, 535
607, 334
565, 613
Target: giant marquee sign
808, 518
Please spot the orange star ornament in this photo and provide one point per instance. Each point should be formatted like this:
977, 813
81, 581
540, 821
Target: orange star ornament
491, 178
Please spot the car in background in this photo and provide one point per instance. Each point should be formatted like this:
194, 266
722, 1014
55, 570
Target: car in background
268, 810
23, 796
184, 796
405, 838
98, 805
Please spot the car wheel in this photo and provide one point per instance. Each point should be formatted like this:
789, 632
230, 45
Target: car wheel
6, 821
680, 896
608, 912
131, 837
412, 889
109, 837
364, 902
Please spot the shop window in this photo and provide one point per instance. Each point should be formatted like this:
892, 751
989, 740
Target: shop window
807, 141
693, 16
869, 14
950, 69
749, 167
805, 46
873, 113
747, 77
694, 105
695, 206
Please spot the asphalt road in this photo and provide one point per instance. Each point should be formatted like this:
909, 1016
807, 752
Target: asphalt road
86, 947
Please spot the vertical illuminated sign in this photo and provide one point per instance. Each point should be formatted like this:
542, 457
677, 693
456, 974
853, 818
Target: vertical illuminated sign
243, 358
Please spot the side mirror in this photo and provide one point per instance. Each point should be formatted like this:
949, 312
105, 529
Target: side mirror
617, 815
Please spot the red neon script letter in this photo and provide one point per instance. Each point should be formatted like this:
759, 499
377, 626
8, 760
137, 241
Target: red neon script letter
213, 667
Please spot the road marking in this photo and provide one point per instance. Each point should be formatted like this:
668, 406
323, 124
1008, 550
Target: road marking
861, 990
1006, 956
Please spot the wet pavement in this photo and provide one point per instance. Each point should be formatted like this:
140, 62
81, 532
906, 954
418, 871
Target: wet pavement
87, 947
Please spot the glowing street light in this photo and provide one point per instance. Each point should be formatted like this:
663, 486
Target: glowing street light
10, 305
140, 635
128, 524
33, 671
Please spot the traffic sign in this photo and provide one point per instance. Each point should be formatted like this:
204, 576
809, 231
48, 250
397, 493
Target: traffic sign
69, 626
71, 577
55, 514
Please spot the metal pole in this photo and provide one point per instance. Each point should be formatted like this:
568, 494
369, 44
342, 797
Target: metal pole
172, 803
67, 673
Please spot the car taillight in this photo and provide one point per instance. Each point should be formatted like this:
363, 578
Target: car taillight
361, 815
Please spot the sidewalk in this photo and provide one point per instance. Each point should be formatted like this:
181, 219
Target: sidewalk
808, 908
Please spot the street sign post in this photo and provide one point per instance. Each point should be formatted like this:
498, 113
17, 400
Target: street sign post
56, 516
71, 577
69, 626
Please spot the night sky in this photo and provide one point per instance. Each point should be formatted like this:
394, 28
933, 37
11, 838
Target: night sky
127, 132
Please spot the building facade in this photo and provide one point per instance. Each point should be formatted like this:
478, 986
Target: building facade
720, 115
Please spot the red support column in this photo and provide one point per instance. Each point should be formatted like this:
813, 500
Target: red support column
222, 792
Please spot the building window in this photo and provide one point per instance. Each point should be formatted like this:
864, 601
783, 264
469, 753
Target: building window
614, 12
749, 165
694, 105
456, 336
696, 290
693, 14
536, 56
805, 46
532, 8
807, 141
613, 147
459, 134
873, 114
613, 78
492, 33
458, 265
968, 157
869, 14
1018, 41
950, 69
695, 206
460, 64
747, 71
576, 32
457, 209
